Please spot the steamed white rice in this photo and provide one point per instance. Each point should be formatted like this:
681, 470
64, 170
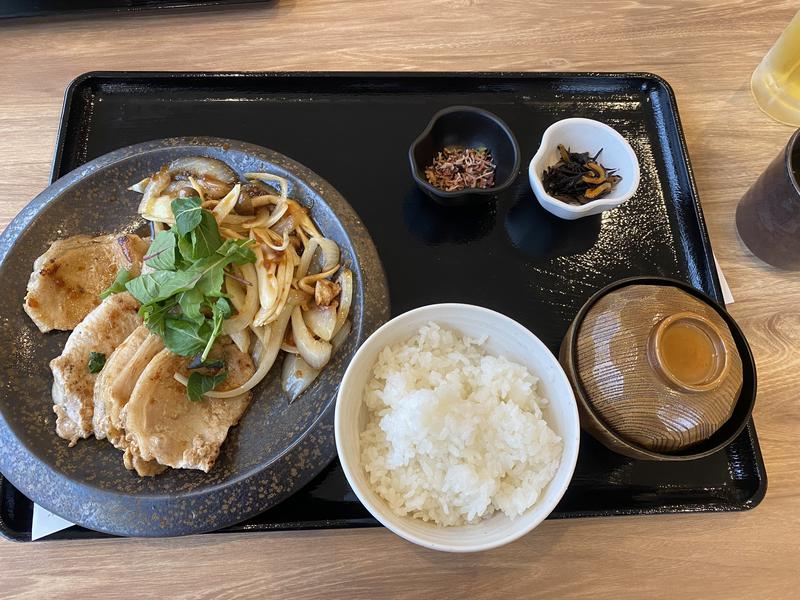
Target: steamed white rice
455, 434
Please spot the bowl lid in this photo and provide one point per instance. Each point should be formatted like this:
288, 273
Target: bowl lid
659, 366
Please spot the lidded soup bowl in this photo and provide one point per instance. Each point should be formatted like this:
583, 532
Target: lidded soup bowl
660, 371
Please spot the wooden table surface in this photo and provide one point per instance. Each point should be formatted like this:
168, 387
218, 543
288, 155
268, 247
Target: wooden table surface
705, 49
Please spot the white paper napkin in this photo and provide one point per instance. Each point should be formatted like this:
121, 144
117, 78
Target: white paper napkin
727, 295
46, 523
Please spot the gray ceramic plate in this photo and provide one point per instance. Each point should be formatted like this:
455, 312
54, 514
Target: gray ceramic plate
277, 447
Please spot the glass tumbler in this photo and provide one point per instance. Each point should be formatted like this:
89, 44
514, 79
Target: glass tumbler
776, 81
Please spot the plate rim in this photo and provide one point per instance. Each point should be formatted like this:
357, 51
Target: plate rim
323, 451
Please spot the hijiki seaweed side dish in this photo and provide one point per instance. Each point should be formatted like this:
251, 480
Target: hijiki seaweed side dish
456, 169
578, 177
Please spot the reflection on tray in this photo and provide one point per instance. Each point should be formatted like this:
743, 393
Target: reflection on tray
436, 224
537, 233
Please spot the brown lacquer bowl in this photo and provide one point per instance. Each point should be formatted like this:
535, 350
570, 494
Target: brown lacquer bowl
660, 371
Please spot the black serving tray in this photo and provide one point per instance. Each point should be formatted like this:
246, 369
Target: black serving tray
354, 129
76, 8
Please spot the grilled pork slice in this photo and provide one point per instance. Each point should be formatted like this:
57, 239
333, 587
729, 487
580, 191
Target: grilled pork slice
103, 329
162, 424
114, 386
116, 381
67, 280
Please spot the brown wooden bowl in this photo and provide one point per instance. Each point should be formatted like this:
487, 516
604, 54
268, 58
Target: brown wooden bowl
628, 400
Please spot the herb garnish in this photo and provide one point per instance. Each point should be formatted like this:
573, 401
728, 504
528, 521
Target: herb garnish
182, 298
97, 360
118, 285
187, 213
198, 363
199, 384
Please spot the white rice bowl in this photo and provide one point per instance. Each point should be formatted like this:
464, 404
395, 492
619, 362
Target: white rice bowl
454, 434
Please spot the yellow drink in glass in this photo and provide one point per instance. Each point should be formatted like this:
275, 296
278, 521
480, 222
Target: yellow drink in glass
776, 81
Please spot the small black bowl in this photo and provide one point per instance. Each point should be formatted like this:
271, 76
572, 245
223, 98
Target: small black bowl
465, 127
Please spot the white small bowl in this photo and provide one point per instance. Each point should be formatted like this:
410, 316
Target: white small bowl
506, 337
585, 135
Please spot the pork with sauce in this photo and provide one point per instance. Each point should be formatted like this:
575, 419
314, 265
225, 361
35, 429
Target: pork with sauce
113, 388
163, 425
67, 280
103, 329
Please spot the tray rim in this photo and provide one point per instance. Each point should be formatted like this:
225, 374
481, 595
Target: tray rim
181, 5
98, 76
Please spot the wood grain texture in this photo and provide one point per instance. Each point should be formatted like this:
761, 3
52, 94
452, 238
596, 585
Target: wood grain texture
641, 410
706, 49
